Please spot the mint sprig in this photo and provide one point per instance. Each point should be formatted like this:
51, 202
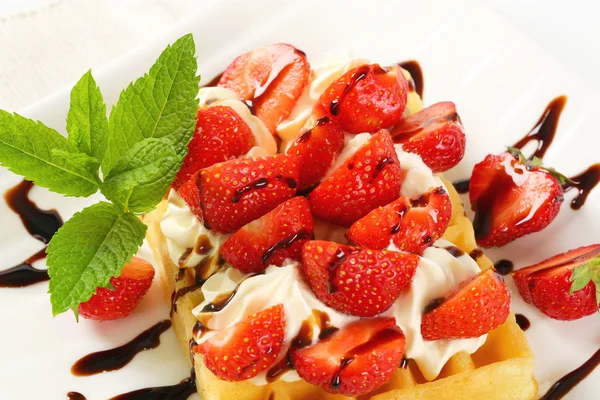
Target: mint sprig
140, 149
586, 273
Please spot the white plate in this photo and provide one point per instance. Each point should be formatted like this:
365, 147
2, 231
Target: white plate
499, 79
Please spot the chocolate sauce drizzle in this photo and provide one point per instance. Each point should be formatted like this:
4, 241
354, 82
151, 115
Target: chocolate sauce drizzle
180, 391
522, 321
462, 185
504, 267
260, 184
75, 396
358, 75
117, 358
41, 224
416, 83
214, 81
284, 244
584, 183
570, 380
338, 259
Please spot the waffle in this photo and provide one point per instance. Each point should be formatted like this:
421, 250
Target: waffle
501, 369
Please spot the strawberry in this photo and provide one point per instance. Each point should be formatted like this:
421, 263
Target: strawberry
271, 239
477, 306
316, 149
271, 78
367, 98
412, 223
564, 287
221, 135
434, 133
236, 192
512, 197
129, 288
355, 360
356, 281
247, 348
189, 193
370, 178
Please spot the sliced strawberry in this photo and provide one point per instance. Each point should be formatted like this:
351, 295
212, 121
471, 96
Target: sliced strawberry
130, 287
247, 348
512, 197
271, 239
221, 135
355, 360
548, 285
236, 192
370, 178
367, 98
316, 149
479, 305
434, 133
412, 223
356, 281
189, 193
272, 78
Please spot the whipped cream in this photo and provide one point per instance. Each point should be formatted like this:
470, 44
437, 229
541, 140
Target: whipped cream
437, 274
183, 231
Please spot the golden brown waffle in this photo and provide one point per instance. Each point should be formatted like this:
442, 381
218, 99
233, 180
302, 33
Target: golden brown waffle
501, 369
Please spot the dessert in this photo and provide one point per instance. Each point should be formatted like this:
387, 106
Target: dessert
349, 291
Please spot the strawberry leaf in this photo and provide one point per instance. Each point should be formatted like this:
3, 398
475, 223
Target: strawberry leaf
537, 162
586, 273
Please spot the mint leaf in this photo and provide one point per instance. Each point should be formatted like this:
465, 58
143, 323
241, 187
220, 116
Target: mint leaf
141, 177
29, 148
87, 251
160, 104
86, 122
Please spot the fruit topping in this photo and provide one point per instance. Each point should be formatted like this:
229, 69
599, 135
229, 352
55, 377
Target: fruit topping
366, 98
356, 281
270, 79
353, 361
512, 197
129, 288
412, 223
220, 135
434, 133
239, 191
566, 286
477, 306
370, 178
244, 350
272, 238
317, 149
189, 193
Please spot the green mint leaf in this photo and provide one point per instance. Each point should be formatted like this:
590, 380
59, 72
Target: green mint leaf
33, 150
139, 180
162, 103
87, 251
582, 275
86, 122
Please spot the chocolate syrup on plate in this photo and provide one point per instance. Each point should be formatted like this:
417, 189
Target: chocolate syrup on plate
75, 396
416, 83
41, 224
504, 267
180, 391
584, 183
214, 81
522, 321
570, 380
462, 185
117, 358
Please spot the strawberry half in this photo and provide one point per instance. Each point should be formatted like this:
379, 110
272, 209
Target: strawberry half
236, 192
412, 223
356, 281
355, 360
189, 193
130, 287
367, 98
370, 178
271, 239
247, 348
272, 78
479, 305
564, 287
316, 149
434, 133
220, 135
512, 197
